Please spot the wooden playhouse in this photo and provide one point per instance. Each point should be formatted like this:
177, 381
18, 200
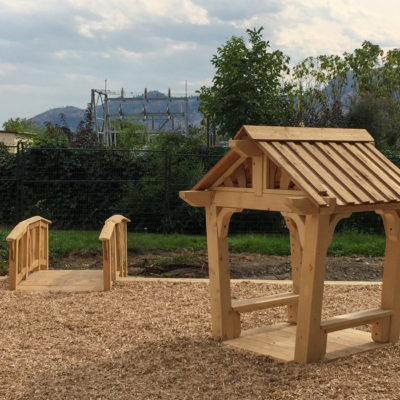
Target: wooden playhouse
314, 177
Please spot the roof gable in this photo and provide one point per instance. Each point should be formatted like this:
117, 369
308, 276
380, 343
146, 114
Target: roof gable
323, 163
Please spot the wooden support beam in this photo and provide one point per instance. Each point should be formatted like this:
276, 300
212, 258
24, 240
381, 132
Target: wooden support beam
261, 303
197, 198
272, 200
300, 205
258, 174
351, 320
245, 148
310, 339
389, 330
225, 321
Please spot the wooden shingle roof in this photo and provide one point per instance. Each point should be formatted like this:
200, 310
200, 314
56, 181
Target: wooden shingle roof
322, 162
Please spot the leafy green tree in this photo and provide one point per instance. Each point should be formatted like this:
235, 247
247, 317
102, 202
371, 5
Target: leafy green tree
21, 125
319, 84
380, 116
84, 136
53, 136
130, 134
248, 86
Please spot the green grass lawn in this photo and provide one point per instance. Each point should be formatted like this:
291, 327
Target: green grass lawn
63, 242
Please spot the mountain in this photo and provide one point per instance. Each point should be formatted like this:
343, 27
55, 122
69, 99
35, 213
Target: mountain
73, 115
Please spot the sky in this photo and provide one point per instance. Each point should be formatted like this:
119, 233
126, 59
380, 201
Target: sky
53, 52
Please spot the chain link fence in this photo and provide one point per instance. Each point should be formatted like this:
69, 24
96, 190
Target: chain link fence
81, 188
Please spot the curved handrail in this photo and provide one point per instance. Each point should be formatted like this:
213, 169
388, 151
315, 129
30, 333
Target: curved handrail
20, 229
109, 224
28, 249
114, 238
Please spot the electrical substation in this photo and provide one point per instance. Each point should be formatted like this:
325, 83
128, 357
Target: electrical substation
155, 111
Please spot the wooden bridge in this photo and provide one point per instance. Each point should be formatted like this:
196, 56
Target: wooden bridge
29, 259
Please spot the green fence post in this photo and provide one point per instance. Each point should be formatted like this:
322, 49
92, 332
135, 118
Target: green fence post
20, 181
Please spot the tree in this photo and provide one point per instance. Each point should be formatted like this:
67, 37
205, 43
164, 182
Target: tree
21, 125
53, 136
85, 137
248, 86
319, 84
130, 134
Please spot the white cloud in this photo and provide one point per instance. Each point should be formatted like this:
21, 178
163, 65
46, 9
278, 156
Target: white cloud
317, 36
29, 6
173, 47
82, 78
118, 15
129, 54
67, 54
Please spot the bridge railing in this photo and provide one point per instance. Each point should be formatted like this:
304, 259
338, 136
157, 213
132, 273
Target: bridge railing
115, 257
28, 249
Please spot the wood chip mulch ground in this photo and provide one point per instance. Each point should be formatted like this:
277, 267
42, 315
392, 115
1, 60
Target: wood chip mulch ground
151, 340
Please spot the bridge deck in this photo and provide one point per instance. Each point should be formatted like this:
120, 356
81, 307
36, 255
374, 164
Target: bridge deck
63, 280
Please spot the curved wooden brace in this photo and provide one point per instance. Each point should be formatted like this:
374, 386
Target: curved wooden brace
224, 216
334, 220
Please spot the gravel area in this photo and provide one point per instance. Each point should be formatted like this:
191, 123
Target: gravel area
151, 340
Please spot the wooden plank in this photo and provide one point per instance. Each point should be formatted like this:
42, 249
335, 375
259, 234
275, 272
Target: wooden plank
63, 280
333, 164
277, 341
219, 169
373, 182
384, 180
319, 166
303, 169
348, 170
368, 207
351, 320
263, 302
281, 133
290, 169
380, 160
360, 176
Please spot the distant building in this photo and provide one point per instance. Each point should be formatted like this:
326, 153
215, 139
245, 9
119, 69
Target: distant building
12, 138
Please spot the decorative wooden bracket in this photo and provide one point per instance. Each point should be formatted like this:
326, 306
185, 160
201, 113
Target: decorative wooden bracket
197, 198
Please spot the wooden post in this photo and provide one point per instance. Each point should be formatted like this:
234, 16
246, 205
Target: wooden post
107, 265
387, 330
125, 250
13, 265
225, 321
295, 224
318, 232
310, 339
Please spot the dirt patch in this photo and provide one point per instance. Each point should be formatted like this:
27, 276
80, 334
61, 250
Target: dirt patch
188, 264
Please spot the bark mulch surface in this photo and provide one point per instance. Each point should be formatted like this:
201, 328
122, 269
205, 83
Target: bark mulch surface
151, 340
